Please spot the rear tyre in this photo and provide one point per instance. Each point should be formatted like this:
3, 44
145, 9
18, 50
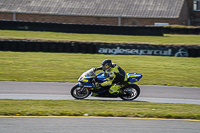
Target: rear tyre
80, 92
131, 92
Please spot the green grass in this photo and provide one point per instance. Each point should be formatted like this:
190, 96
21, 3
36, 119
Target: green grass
98, 108
167, 38
67, 67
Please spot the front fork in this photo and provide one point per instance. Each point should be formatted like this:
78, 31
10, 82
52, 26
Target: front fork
83, 87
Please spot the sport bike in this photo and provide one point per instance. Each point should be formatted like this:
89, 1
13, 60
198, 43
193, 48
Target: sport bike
86, 86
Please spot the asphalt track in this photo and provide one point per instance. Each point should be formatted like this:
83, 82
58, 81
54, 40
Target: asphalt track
61, 91
95, 125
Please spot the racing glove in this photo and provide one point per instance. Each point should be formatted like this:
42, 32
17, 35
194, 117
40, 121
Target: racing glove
94, 69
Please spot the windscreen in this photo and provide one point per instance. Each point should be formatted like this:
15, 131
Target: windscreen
88, 73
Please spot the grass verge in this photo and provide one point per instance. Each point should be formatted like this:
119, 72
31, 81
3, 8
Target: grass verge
98, 108
56, 36
67, 67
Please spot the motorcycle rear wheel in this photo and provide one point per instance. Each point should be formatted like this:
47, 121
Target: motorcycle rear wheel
80, 92
131, 92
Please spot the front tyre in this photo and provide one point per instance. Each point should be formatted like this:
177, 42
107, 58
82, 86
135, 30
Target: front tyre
131, 92
79, 92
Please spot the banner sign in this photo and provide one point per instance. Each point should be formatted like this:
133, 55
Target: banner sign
133, 50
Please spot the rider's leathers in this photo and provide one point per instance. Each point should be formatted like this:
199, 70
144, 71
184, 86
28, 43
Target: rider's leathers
117, 79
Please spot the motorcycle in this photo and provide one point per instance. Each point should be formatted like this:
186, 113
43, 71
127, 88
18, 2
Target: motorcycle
86, 86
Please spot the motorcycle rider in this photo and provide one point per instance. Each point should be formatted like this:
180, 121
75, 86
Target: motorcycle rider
117, 76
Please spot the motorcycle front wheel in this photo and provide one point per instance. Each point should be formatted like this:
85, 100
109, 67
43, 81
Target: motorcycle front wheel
79, 92
131, 92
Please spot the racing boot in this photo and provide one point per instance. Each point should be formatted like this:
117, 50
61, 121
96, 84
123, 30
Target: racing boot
122, 93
